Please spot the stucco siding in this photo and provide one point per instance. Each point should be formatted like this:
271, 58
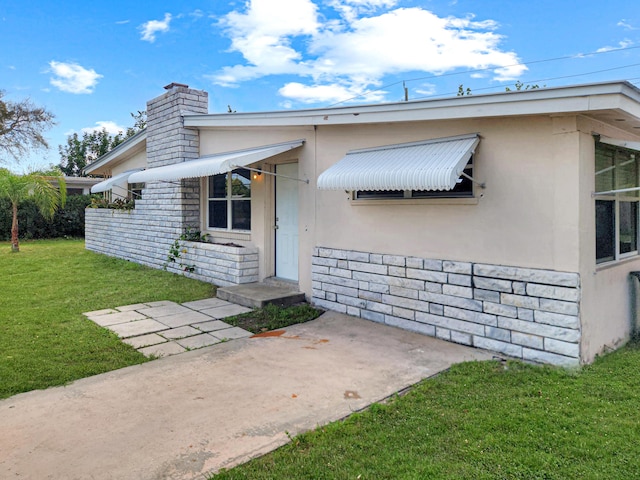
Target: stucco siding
527, 170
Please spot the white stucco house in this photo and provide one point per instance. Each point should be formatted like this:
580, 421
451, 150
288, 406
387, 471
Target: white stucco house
504, 221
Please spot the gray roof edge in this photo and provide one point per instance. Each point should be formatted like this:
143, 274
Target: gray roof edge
310, 116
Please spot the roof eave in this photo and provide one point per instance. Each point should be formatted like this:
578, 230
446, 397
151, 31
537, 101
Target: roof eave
561, 100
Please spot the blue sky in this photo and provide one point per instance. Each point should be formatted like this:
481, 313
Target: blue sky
93, 63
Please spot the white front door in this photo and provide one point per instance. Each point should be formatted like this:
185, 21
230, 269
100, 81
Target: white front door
287, 222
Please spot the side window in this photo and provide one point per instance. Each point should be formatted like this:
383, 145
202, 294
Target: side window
135, 190
229, 200
616, 182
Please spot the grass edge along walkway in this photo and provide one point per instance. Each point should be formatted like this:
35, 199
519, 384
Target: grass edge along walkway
481, 420
44, 338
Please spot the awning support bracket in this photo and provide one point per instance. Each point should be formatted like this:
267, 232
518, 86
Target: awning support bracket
469, 177
258, 170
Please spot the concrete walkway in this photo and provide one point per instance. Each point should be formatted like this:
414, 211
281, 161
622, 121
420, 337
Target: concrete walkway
186, 415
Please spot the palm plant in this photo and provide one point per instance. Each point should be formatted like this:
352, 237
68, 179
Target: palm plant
39, 188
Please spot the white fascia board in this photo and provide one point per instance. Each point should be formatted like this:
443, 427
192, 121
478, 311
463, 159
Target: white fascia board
581, 98
125, 149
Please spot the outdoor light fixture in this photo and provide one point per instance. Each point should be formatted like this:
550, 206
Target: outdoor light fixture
257, 173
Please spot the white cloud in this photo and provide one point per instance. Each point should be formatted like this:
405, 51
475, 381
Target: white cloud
73, 78
149, 29
111, 127
263, 35
353, 53
327, 93
351, 9
411, 39
625, 24
426, 89
622, 44
122, 22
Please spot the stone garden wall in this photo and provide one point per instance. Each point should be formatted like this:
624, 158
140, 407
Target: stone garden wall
135, 236
525, 313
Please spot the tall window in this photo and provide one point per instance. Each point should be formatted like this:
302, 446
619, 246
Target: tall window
229, 200
617, 170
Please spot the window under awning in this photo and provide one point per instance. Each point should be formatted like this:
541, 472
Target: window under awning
427, 165
214, 164
108, 184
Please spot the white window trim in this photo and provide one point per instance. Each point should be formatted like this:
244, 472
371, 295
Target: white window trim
616, 211
618, 196
228, 199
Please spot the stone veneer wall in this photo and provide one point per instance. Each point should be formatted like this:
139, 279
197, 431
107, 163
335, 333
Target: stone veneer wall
145, 234
521, 312
221, 264
118, 233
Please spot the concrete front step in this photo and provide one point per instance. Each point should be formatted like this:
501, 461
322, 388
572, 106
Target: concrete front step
257, 295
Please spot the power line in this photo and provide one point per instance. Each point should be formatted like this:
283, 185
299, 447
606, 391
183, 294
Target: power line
477, 70
542, 80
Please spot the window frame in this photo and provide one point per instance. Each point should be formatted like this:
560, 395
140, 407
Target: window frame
229, 199
617, 199
134, 190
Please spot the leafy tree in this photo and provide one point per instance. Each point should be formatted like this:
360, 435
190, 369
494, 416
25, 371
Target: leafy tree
139, 124
22, 125
521, 86
80, 151
462, 92
18, 188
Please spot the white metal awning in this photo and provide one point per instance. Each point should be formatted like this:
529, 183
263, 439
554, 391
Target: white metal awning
428, 165
110, 182
620, 143
214, 164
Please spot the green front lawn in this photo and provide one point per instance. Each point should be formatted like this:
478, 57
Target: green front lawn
44, 338
486, 420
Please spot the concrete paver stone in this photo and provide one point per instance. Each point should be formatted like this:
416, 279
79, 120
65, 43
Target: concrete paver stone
97, 313
226, 311
117, 318
144, 340
182, 319
206, 303
135, 306
139, 327
181, 332
164, 310
231, 333
161, 303
162, 349
199, 341
212, 326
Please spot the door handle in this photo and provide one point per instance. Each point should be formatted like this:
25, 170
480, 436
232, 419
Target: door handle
276, 227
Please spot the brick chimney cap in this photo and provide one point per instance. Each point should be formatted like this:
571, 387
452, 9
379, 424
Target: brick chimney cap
174, 85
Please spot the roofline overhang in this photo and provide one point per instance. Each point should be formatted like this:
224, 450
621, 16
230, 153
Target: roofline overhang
79, 180
616, 95
128, 146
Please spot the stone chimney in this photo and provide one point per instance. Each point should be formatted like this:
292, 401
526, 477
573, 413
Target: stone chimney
168, 141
